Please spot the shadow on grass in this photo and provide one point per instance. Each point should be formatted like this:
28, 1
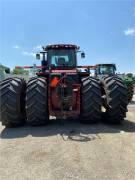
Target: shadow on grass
67, 128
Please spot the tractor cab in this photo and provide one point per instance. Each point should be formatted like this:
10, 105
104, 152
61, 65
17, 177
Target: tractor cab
105, 69
59, 56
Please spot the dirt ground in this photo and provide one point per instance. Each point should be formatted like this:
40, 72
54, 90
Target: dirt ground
68, 150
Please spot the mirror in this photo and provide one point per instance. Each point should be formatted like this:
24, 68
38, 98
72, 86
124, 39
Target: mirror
38, 56
82, 55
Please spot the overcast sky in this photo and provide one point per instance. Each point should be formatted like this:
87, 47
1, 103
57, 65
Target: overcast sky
105, 30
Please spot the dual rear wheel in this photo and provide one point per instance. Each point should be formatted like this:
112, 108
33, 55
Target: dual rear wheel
115, 100
20, 103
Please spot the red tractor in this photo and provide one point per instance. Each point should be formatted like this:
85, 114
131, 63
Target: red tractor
60, 89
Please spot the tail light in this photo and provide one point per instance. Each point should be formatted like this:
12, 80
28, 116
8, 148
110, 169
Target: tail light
54, 82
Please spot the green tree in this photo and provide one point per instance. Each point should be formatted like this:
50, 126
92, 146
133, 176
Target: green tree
20, 71
17, 71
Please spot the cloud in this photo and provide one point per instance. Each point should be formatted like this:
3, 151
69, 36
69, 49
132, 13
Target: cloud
38, 47
130, 31
25, 53
16, 47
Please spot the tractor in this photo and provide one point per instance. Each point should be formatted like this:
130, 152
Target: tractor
61, 89
103, 70
129, 82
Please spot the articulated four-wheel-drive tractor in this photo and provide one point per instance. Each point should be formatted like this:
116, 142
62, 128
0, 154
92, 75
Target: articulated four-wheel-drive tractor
63, 90
102, 70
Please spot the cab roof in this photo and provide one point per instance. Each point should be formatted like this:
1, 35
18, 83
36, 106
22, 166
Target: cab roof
60, 46
100, 65
106, 64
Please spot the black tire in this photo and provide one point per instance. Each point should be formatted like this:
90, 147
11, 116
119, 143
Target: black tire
130, 88
36, 102
90, 100
116, 99
12, 104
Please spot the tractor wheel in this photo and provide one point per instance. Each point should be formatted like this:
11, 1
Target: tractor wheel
90, 100
36, 102
116, 99
130, 88
12, 96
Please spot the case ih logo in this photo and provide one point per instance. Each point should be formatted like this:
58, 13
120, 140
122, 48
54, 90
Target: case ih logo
64, 71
